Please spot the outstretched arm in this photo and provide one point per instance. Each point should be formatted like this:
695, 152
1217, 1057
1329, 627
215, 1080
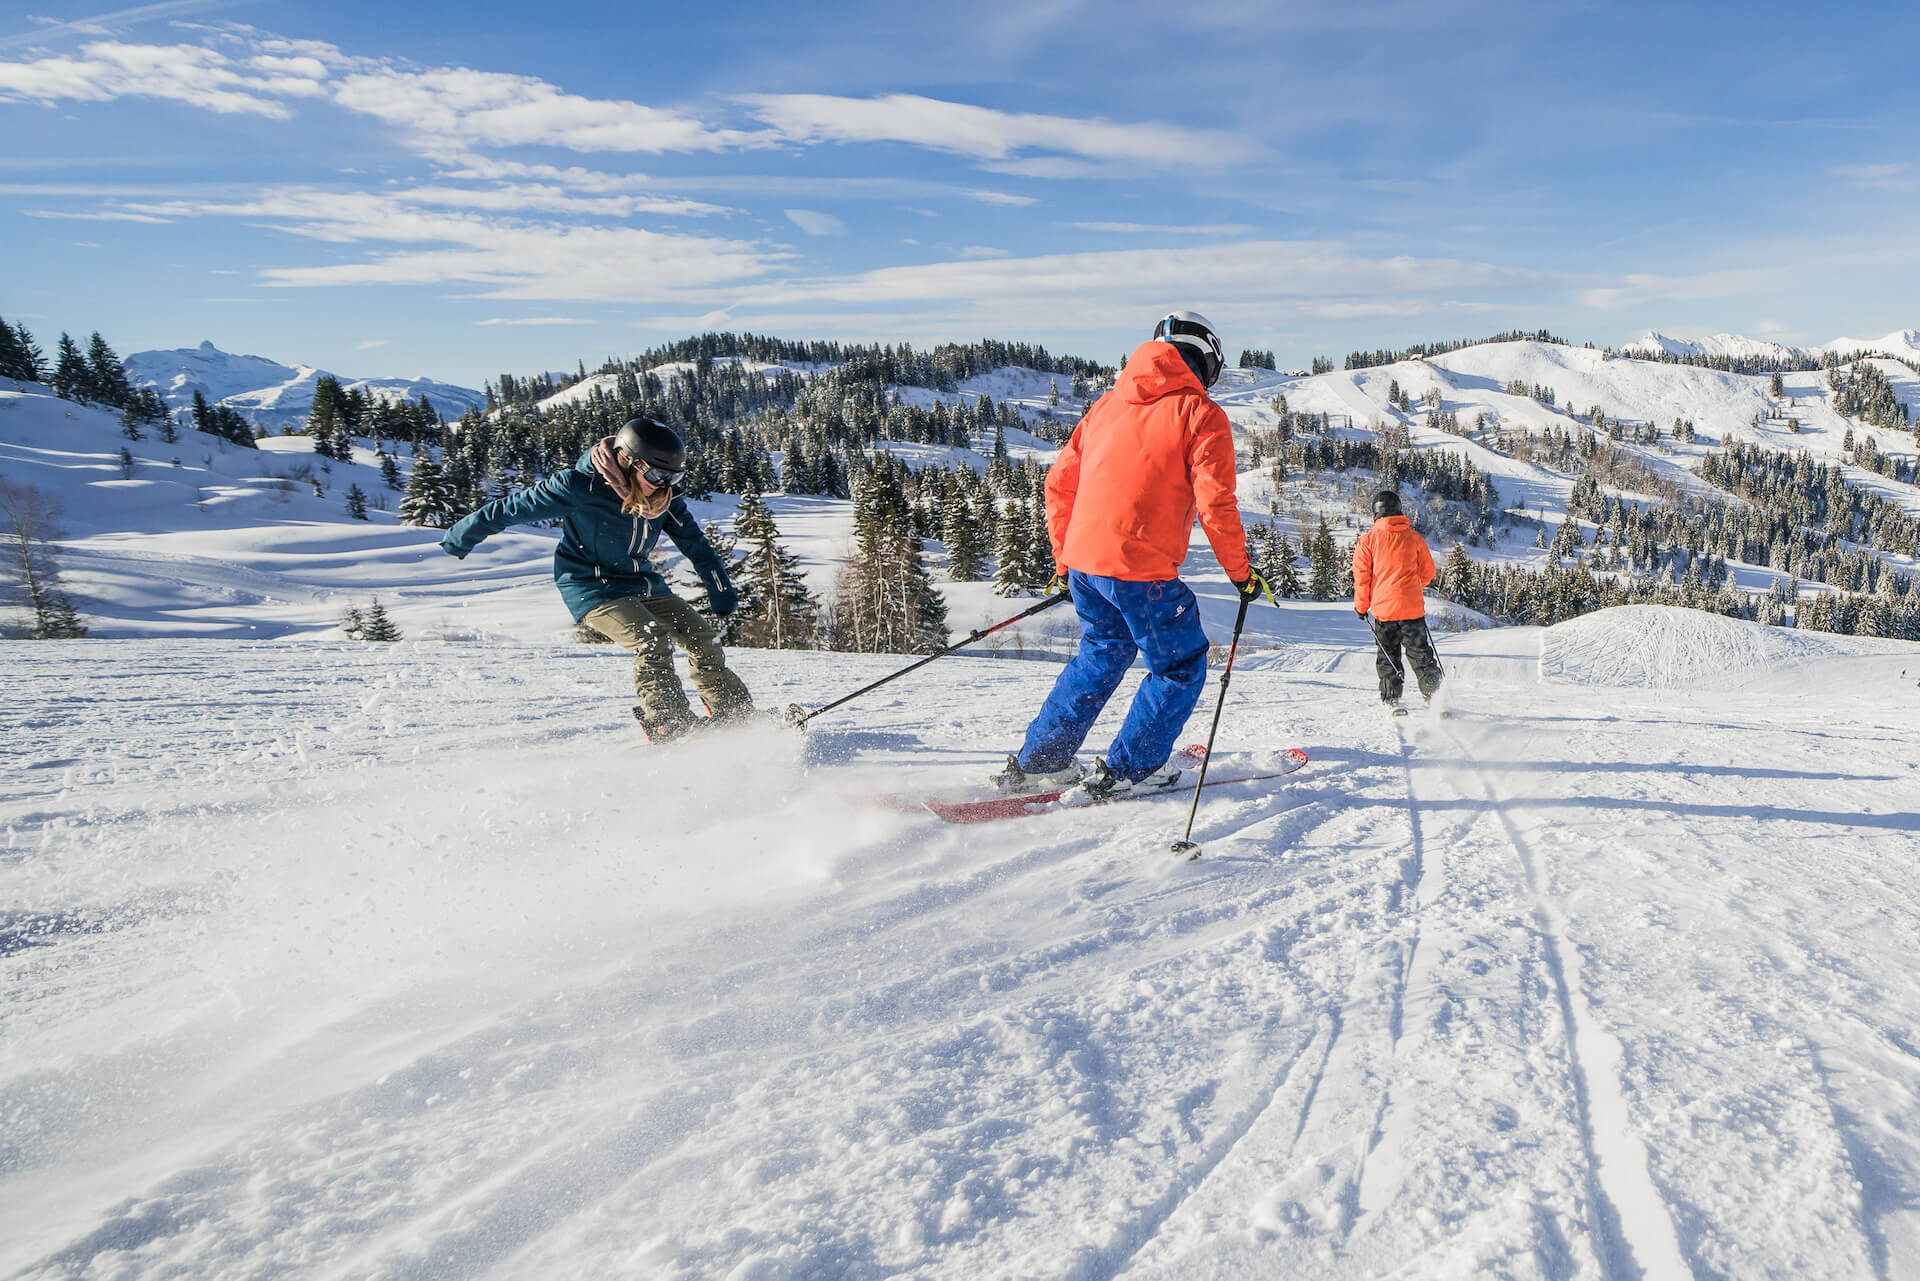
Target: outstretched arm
549, 500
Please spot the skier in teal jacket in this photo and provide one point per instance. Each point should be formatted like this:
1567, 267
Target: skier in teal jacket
613, 504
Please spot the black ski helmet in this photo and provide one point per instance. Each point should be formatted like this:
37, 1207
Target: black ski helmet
656, 449
1194, 333
1386, 503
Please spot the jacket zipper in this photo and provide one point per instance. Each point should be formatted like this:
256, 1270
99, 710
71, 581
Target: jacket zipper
633, 543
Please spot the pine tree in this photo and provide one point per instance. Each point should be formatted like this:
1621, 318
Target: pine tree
106, 376
71, 377
427, 502
1286, 579
390, 473
1456, 576
779, 612
352, 623
1011, 542
883, 599
965, 537
378, 626
356, 503
13, 355
1324, 557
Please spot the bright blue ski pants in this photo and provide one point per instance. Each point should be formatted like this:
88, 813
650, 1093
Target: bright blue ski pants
1119, 619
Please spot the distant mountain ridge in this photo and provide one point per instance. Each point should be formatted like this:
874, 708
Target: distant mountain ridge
270, 394
1903, 344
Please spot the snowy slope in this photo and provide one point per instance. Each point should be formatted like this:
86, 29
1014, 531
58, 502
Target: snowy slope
270, 394
330, 960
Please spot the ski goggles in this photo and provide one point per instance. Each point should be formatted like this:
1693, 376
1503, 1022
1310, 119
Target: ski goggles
658, 477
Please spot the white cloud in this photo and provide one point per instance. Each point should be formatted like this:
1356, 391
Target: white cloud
105, 215
505, 258
983, 133
816, 224
368, 344
986, 197
1884, 177
531, 320
983, 251
104, 24
1168, 229
450, 110
190, 74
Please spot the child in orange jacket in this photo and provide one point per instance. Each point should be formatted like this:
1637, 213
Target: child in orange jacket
1391, 568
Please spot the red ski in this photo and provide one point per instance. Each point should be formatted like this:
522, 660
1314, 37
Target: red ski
1000, 807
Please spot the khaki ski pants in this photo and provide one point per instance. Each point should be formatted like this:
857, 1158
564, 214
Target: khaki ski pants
646, 627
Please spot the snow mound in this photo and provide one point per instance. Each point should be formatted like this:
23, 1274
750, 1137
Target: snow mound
1667, 647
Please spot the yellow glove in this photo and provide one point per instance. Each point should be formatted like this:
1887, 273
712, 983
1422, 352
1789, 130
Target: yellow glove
1057, 584
1253, 587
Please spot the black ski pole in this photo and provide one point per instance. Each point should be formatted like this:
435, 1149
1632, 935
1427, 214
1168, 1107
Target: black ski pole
1382, 647
798, 718
1185, 844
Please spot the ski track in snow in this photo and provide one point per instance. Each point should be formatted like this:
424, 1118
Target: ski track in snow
397, 962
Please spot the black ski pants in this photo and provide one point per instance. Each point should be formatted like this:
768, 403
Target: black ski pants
1410, 635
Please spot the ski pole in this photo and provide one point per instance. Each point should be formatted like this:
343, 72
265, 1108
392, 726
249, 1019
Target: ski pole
1382, 647
798, 718
1185, 844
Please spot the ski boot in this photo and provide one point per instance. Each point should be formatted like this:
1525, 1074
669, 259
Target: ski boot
1014, 781
1104, 785
665, 731
1394, 707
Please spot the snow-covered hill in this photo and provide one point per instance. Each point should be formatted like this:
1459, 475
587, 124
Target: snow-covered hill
269, 394
381, 961
1902, 344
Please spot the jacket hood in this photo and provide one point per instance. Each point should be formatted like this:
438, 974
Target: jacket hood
1154, 370
1395, 523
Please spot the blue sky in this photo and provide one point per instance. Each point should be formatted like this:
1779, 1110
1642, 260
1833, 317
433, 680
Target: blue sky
458, 190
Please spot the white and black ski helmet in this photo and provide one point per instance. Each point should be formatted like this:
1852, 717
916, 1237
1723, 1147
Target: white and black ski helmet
1195, 332
656, 447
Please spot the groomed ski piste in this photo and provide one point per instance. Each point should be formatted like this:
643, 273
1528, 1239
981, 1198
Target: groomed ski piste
335, 960
407, 961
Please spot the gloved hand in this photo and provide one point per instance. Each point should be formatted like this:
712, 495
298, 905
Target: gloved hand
1058, 583
452, 548
1253, 587
723, 602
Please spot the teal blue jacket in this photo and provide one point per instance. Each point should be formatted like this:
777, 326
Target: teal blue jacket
603, 552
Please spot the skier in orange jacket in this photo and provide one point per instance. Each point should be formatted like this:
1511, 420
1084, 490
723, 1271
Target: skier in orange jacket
1391, 568
1147, 459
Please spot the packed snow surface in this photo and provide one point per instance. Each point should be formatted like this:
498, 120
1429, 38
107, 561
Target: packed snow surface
409, 961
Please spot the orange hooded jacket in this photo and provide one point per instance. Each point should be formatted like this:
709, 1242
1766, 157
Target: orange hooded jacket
1391, 564
1122, 496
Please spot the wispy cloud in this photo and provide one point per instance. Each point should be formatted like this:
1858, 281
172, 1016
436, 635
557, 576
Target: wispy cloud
192, 74
452, 110
106, 24
982, 133
368, 344
1168, 229
503, 257
103, 215
531, 320
1882, 177
815, 223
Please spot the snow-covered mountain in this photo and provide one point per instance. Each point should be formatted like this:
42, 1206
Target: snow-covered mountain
1902, 344
268, 393
1733, 345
